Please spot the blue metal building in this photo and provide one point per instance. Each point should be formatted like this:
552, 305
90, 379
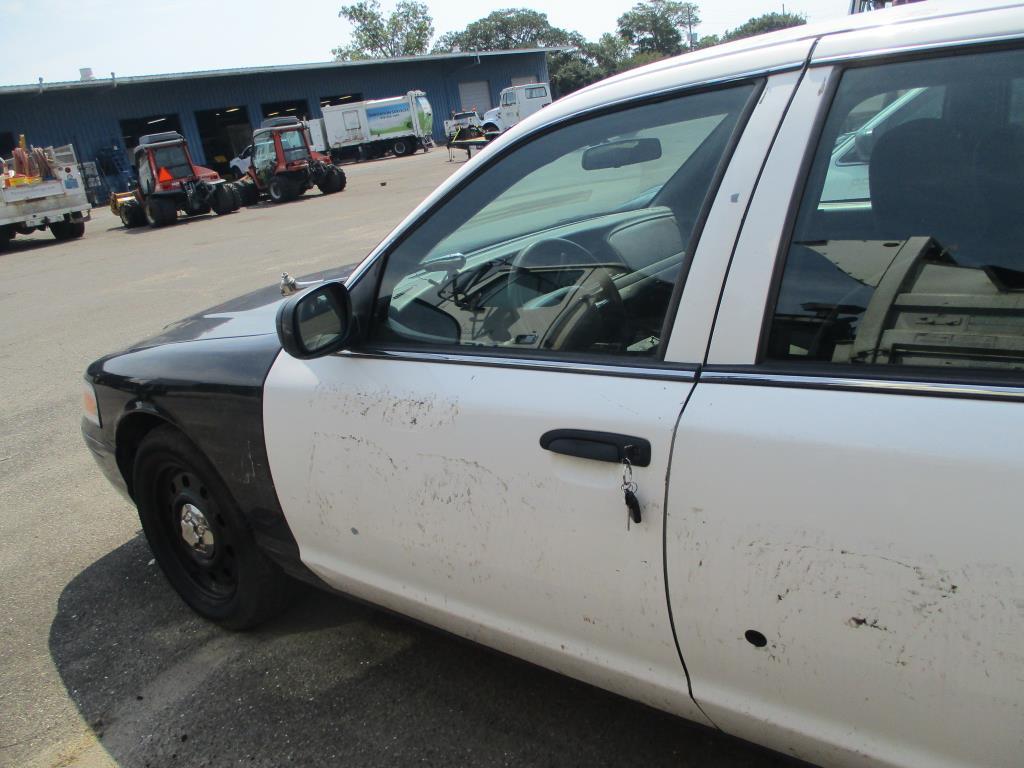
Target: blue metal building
215, 110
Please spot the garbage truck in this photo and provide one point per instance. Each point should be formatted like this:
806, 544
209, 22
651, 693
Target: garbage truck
40, 188
364, 130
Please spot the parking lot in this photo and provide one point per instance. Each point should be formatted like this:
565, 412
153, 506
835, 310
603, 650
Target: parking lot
101, 664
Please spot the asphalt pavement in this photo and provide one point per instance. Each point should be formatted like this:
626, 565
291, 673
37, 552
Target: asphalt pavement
100, 662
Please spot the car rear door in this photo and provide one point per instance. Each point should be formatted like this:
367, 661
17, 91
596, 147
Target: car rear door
844, 534
418, 471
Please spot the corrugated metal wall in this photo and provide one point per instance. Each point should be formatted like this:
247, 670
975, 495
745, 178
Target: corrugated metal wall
88, 117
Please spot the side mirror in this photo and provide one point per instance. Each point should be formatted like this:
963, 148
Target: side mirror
616, 154
316, 322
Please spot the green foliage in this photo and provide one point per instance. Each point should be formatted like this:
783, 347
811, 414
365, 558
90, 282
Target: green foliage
769, 22
656, 26
406, 32
507, 29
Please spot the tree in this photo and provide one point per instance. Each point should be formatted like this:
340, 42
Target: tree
406, 32
505, 30
653, 26
516, 28
769, 22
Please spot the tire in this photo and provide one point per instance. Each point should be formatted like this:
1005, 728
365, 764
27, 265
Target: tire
223, 201
334, 181
236, 194
160, 212
198, 211
247, 192
129, 213
67, 230
6, 235
218, 570
401, 147
282, 189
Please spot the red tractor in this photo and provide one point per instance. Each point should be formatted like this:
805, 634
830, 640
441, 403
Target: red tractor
170, 182
284, 164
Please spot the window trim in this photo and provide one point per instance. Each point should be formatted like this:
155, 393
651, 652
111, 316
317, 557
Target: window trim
648, 369
911, 381
379, 261
767, 369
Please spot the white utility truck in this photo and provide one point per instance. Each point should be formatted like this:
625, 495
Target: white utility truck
516, 103
368, 129
40, 188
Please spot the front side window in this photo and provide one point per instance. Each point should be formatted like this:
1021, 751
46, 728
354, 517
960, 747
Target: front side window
263, 154
908, 248
572, 243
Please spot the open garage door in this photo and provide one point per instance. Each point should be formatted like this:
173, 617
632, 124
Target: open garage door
297, 108
133, 127
224, 133
475, 94
344, 98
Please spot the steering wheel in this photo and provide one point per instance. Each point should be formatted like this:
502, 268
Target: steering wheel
570, 329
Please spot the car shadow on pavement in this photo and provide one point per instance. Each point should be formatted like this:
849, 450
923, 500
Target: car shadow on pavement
335, 682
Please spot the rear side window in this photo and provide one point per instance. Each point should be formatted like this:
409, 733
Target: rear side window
908, 247
536, 93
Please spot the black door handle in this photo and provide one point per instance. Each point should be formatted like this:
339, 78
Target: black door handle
599, 446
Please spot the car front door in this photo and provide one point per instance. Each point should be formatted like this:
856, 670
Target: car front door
846, 485
424, 470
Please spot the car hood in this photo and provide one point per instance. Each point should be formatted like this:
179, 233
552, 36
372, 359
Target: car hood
252, 314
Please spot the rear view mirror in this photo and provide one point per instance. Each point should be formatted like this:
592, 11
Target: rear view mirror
315, 323
616, 154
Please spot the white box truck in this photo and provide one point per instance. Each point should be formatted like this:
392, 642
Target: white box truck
40, 188
368, 129
516, 103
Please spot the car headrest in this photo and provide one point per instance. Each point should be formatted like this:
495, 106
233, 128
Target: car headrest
919, 176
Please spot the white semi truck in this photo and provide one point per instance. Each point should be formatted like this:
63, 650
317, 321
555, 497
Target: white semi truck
368, 129
515, 104
42, 188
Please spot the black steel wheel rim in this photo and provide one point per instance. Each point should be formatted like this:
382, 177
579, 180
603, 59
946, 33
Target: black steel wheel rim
214, 572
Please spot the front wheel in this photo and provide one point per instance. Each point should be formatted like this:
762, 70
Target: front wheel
160, 212
199, 537
282, 189
67, 230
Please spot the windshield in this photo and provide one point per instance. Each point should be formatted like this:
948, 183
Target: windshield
294, 146
172, 161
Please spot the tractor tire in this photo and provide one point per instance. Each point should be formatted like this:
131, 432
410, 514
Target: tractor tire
132, 215
67, 230
333, 181
223, 201
236, 193
282, 189
402, 147
247, 192
160, 212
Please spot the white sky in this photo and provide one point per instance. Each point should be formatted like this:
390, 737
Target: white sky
53, 38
